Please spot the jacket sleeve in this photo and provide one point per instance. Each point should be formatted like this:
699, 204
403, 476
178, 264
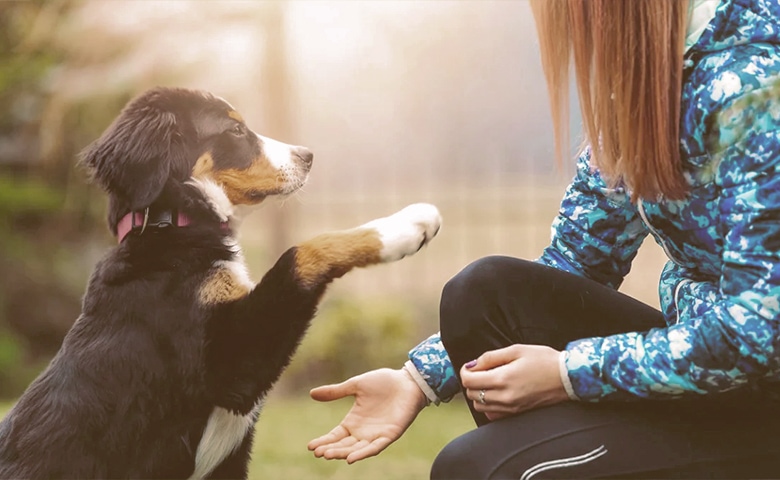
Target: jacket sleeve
734, 339
597, 232
432, 364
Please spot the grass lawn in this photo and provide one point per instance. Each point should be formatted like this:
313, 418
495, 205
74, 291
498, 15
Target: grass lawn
288, 423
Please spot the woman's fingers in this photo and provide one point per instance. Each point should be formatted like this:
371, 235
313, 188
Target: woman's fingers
334, 436
474, 395
487, 380
490, 401
495, 358
339, 449
488, 372
352, 449
369, 450
327, 393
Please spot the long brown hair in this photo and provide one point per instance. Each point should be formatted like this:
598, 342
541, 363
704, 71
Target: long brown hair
627, 57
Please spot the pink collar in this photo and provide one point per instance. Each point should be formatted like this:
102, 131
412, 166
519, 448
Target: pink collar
140, 220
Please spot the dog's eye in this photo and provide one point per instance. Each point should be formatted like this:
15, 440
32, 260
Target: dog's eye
238, 130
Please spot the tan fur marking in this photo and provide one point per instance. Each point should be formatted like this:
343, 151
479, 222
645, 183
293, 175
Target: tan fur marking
236, 116
260, 177
331, 255
204, 166
222, 287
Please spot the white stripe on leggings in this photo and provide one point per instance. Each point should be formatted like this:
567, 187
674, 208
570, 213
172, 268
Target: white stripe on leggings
564, 462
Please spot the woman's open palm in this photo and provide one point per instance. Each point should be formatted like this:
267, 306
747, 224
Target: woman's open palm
386, 402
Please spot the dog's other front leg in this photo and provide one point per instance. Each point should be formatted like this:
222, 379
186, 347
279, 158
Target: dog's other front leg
252, 340
331, 255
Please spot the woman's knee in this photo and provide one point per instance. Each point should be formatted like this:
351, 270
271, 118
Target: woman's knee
472, 284
472, 291
465, 294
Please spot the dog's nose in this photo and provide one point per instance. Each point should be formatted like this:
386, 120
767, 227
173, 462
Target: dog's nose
304, 154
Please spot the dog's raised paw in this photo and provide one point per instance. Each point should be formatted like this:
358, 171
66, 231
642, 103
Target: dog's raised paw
406, 231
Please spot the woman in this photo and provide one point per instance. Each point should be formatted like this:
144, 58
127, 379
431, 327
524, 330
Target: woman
680, 107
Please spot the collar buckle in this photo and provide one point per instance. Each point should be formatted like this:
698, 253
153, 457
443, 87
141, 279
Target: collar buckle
138, 222
145, 221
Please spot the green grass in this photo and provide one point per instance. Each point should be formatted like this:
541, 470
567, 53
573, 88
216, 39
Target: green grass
288, 423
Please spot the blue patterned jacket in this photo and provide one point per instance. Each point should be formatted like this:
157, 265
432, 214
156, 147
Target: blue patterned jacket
720, 290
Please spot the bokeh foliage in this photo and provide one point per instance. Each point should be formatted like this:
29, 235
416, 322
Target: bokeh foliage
350, 336
49, 220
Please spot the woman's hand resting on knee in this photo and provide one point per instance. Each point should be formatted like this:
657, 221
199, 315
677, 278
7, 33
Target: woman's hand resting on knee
386, 403
505, 382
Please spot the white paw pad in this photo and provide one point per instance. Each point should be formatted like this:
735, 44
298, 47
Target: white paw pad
406, 231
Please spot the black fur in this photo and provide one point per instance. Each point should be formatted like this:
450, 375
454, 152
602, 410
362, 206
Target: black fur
144, 148
133, 385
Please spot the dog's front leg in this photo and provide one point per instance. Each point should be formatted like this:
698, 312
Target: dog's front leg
331, 255
253, 338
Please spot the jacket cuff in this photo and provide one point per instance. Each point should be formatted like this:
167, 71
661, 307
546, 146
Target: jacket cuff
583, 362
564, 372
420, 381
433, 364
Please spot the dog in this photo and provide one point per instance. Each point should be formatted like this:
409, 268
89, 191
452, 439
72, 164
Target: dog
164, 373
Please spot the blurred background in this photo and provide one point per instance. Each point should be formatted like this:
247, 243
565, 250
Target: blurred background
401, 102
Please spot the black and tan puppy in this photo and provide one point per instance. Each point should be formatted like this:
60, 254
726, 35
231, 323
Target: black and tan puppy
164, 373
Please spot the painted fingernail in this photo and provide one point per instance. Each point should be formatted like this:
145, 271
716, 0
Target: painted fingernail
471, 364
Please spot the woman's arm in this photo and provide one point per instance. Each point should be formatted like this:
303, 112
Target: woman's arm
596, 234
732, 337
598, 231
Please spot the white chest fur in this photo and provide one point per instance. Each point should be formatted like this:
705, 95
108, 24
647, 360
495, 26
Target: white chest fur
224, 430
223, 434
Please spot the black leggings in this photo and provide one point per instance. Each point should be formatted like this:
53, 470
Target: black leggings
500, 301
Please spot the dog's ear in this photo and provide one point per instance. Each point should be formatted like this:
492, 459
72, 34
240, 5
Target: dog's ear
134, 157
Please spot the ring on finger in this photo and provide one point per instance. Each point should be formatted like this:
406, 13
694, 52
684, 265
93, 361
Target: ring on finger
481, 398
